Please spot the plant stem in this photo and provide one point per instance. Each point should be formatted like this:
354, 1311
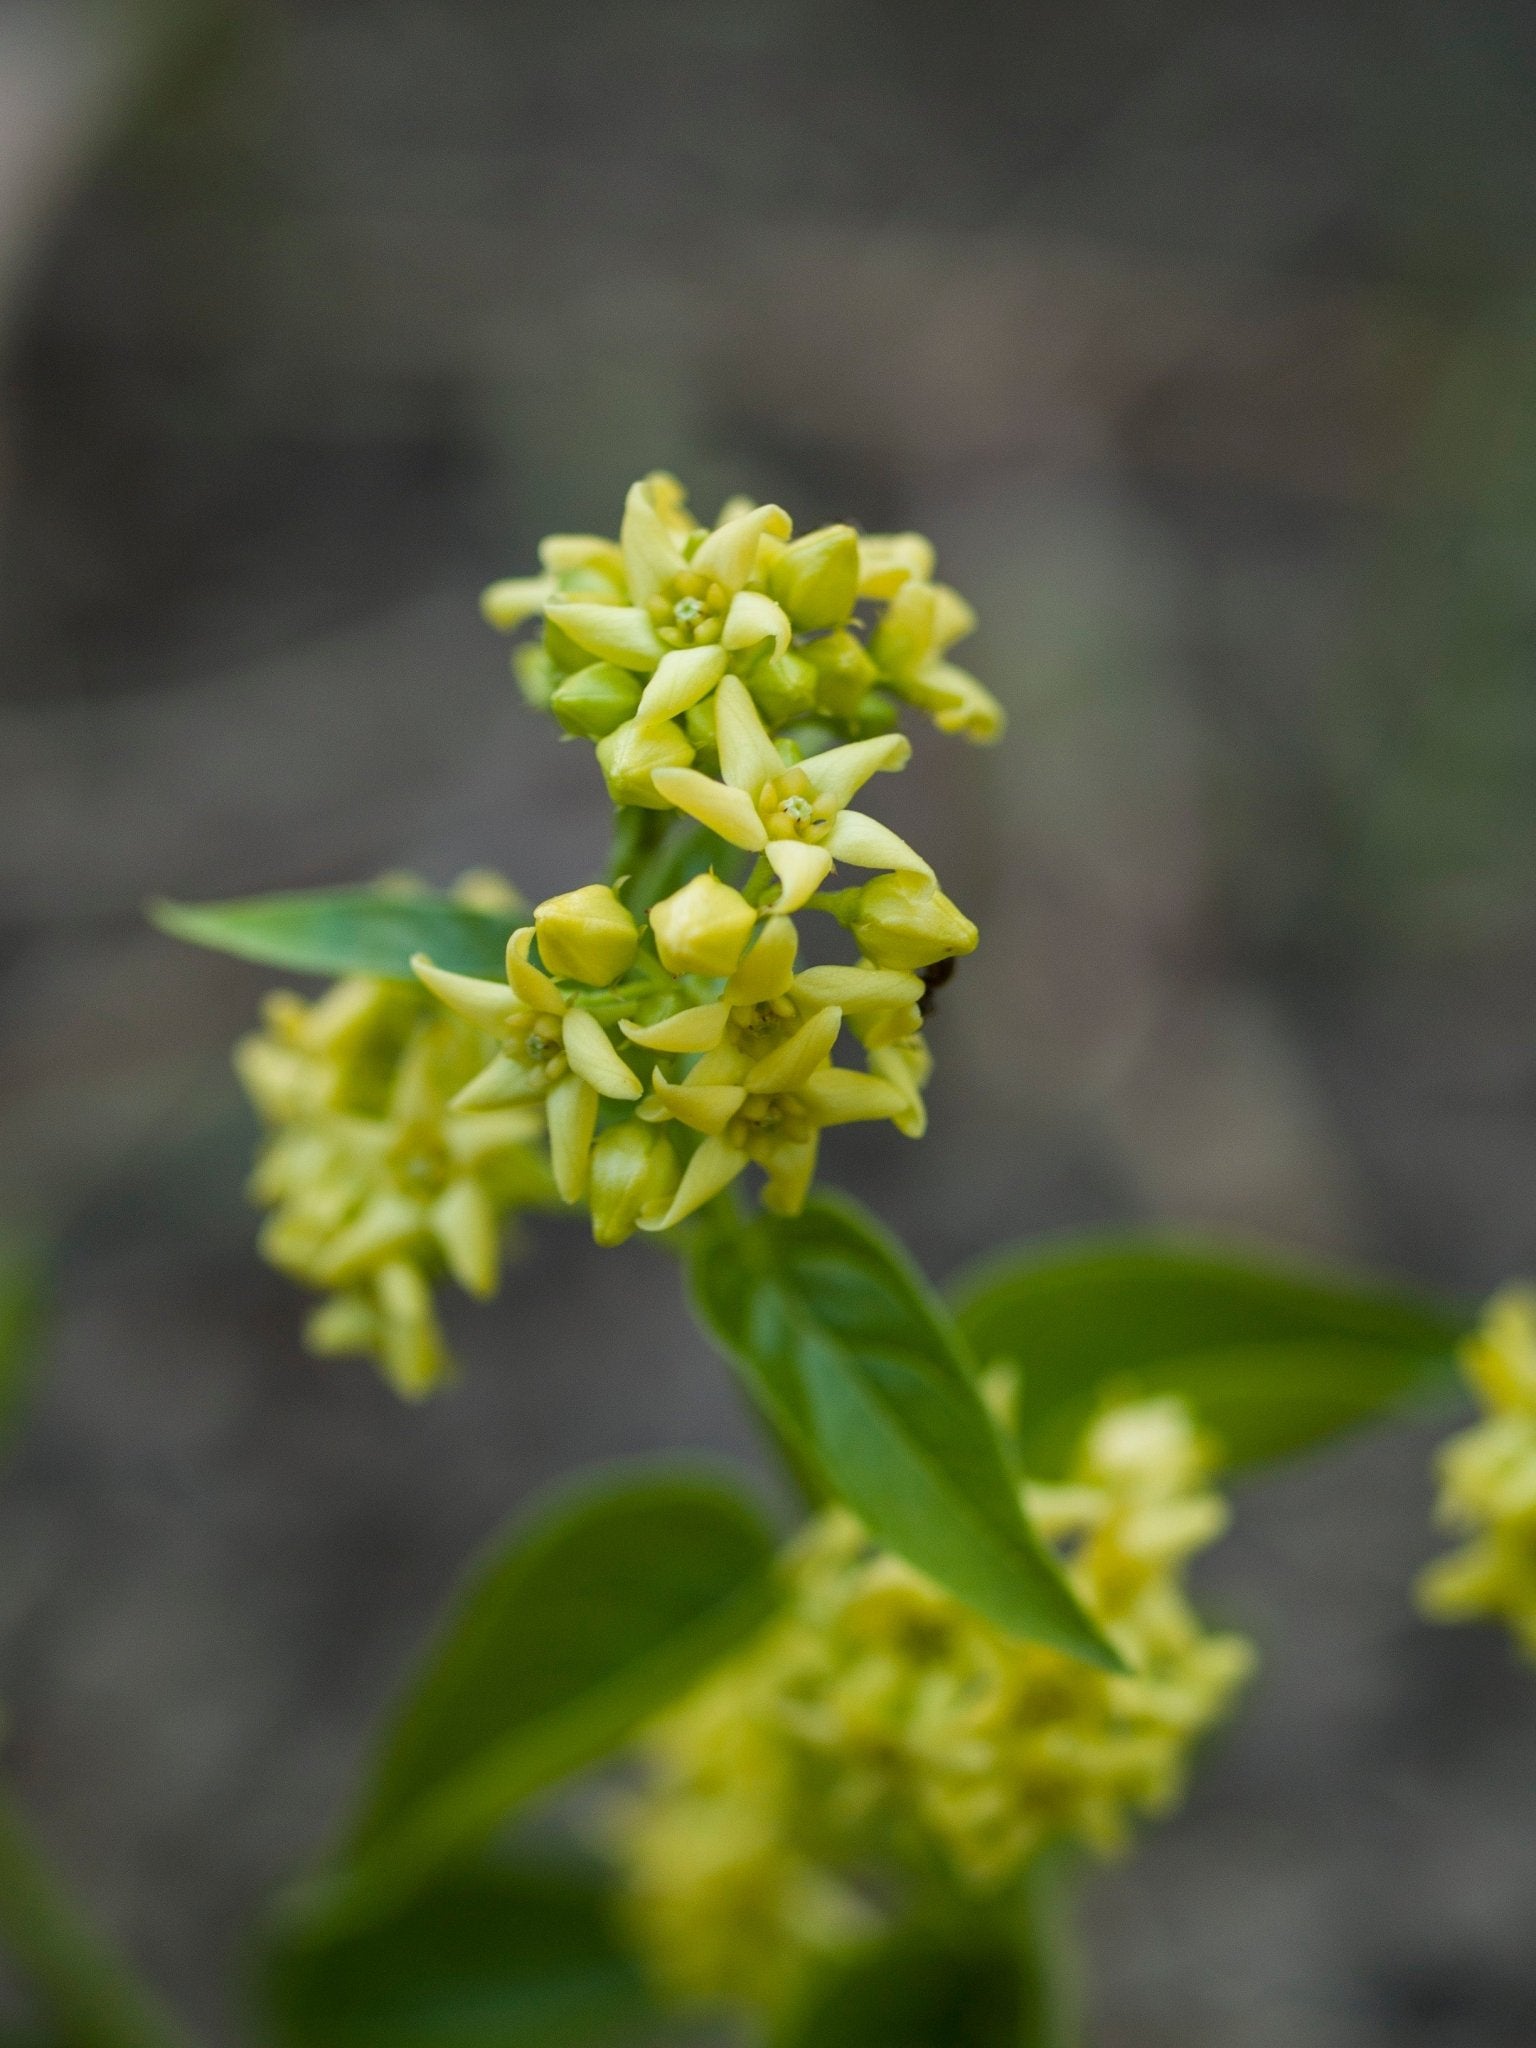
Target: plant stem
86, 1990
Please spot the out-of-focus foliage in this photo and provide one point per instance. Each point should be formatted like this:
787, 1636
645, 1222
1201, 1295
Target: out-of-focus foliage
1271, 1359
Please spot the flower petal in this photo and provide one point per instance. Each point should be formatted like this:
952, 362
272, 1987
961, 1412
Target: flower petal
765, 973
591, 1054
384, 1225
857, 989
801, 870
683, 678
507, 604
730, 812
464, 1223
703, 1109
729, 554
531, 985
842, 1095
572, 1113
841, 771
694, 1030
866, 843
489, 1004
723, 1068
787, 1067
748, 758
754, 617
790, 1170
473, 1139
713, 1167
652, 556
503, 1081
619, 633
887, 560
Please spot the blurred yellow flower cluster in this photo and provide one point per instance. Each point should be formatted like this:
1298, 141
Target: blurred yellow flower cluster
878, 1723
377, 1185
1488, 1480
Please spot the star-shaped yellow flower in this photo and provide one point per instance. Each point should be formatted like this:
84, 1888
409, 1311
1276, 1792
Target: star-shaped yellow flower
551, 1051
796, 817
770, 1110
678, 596
765, 1001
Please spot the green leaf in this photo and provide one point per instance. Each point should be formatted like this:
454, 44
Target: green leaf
861, 1369
572, 1632
347, 931
493, 1956
923, 1990
20, 1317
1272, 1359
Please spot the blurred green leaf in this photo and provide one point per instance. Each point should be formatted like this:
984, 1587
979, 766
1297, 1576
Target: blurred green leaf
921, 1990
347, 931
572, 1632
493, 1956
1271, 1359
20, 1316
861, 1369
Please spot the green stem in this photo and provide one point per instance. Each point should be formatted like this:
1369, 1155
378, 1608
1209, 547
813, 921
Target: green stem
84, 1988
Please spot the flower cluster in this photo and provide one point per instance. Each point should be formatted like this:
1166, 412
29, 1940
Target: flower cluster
669, 1045
835, 628
1488, 1480
378, 1185
656, 1033
878, 1725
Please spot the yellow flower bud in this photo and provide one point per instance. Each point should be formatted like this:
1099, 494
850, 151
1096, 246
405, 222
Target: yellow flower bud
586, 935
703, 928
783, 686
595, 700
630, 756
816, 579
905, 920
844, 672
633, 1175
536, 674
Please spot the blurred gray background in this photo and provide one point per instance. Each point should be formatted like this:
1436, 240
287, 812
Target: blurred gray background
1202, 338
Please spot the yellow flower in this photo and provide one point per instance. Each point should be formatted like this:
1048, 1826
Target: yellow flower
795, 816
1488, 1480
921, 622
770, 1110
789, 616
680, 594
551, 1051
374, 1182
878, 1721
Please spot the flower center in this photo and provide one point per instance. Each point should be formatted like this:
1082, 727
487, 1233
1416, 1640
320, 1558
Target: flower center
690, 611
419, 1160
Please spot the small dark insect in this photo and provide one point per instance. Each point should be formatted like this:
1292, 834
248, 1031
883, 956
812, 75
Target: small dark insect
933, 979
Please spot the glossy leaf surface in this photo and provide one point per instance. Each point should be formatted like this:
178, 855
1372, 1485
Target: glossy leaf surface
347, 931
861, 1370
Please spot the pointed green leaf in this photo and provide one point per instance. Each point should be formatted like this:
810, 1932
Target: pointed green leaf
572, 1632
861, 1370
493, 1956
1272, 1359
348, 931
